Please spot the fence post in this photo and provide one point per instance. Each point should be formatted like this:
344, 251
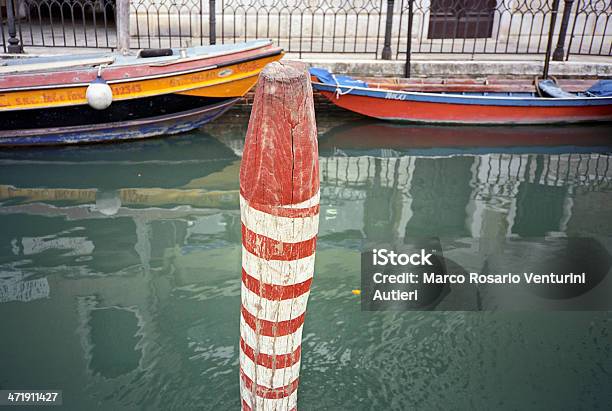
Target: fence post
212, 22
279, 209
551, 32
13, 41
409, 40
123, 26
559, 50
386, 52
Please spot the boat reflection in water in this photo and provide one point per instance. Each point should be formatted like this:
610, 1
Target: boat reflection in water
123, 261
364, 135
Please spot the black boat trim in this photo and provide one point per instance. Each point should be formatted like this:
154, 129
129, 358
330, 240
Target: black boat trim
118, 124
83, 115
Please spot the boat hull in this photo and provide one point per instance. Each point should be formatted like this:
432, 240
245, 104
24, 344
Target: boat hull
449, 109
173, 123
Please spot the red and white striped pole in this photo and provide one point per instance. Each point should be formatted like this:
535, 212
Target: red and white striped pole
279, 206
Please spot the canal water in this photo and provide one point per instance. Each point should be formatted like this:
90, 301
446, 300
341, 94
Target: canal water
120, 269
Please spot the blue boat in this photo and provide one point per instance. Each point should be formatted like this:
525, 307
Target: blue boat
465, 102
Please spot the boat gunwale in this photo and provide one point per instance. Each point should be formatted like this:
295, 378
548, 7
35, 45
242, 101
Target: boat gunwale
59, 86
135, 60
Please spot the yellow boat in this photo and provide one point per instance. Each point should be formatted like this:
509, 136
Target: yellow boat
110, 97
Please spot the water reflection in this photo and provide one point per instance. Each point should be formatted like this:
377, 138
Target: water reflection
118, 267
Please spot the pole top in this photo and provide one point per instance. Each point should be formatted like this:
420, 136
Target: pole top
280, 163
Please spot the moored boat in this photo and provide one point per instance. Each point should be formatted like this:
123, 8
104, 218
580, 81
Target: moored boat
110, 97
469, 102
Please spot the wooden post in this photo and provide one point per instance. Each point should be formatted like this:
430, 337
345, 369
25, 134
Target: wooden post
123, 26
279, 206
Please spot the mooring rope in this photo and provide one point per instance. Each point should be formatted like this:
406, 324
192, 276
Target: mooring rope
339, 92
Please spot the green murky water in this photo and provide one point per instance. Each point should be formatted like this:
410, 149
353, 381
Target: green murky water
120, 270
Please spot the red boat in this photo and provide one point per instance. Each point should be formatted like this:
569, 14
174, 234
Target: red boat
469, 102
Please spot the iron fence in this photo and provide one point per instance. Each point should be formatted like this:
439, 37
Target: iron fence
307, 26
172, 23
66, 23
591, 32
364, 28
475, 27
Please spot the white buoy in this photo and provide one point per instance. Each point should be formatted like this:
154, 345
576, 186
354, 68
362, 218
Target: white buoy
99, 94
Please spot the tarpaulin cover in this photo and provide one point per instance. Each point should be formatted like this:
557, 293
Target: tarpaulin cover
603, 88
326, 77
550, 89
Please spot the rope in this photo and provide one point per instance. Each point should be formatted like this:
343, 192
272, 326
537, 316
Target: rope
536, 82
339, 91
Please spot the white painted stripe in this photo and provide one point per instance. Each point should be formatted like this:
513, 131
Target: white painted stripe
270, 345
267, 377
264, 404
271, 310
285, 229
278, 272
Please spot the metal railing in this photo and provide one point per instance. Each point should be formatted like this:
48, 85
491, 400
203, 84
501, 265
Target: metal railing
67, 23
363, 28
170, 23
303, 26
476, 27
591, 32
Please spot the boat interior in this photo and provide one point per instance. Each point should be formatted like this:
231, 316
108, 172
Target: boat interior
489, 86
548, 88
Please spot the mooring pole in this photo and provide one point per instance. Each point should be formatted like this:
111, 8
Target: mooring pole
123, 26
279, 207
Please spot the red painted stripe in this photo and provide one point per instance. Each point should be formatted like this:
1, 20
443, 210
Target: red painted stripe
266, 392
271, 361
274, 292
272, 328
269, 249
280, 211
